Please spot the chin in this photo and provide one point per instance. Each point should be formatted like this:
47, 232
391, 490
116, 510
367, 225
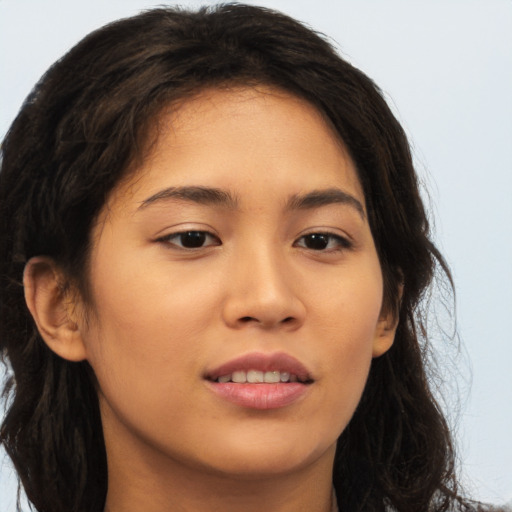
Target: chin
260, 459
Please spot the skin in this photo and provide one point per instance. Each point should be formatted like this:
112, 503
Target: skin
163, 315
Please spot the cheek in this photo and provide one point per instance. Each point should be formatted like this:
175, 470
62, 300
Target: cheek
139, 338
140, 351
347, 324
347, 305
149, 302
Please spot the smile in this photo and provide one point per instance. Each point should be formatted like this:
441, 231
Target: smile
259, 377
260, 381
257, 368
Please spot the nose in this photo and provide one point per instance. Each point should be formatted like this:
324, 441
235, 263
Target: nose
263, 293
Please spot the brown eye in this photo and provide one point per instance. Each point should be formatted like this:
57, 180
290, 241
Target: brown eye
317, 242
191, 239
323, 242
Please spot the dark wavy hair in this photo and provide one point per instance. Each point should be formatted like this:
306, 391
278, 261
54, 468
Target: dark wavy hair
82, 129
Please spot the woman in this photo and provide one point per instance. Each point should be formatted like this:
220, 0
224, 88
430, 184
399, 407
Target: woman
222, 247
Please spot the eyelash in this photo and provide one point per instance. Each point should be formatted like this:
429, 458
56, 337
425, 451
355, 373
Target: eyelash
341, 243
199, 236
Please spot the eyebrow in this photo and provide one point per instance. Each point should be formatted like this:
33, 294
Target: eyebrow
217, 196
325, 197
194, 194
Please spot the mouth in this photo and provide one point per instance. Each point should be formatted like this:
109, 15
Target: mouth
260, 381
259, 368
261, 377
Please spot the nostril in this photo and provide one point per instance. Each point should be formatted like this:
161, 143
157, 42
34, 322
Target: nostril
288, 319
246, 319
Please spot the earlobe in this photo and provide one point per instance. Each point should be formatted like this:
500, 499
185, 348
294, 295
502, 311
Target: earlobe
53, 313
385, 335
386, 328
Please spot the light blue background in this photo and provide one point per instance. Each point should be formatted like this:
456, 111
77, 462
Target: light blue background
446, 67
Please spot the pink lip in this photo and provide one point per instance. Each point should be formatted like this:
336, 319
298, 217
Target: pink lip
261, 395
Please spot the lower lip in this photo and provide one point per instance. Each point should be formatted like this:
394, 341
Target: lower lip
260, 396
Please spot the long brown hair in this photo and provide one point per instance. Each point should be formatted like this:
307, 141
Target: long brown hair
76, 135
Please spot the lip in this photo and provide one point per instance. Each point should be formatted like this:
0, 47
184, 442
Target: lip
260, 396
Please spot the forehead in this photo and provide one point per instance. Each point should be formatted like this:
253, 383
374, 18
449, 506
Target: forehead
243, 138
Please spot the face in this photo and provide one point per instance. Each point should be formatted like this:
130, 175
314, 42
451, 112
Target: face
239, 252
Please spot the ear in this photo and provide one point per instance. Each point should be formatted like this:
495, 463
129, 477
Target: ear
53, 311
384, 334
386, 328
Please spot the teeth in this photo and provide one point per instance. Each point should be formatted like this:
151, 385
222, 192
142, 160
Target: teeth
254, 376
239, 377
257, 377
272, 377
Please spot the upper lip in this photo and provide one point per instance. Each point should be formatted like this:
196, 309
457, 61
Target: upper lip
280, 361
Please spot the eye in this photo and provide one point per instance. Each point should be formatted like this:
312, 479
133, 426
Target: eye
191, 239
323, 242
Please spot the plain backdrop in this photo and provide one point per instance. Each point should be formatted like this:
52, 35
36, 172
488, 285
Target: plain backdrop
446, 69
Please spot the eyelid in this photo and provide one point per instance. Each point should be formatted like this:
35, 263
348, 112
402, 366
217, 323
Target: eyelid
184, 227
